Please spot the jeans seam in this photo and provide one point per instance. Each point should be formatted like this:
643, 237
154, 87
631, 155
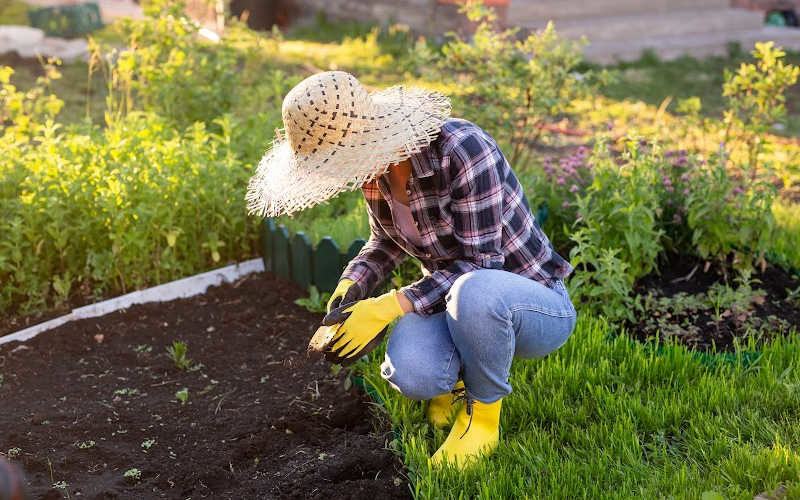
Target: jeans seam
450, 361
549, 312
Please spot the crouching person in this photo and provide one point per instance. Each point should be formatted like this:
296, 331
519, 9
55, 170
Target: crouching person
438, 189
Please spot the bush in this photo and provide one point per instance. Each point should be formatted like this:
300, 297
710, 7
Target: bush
510, 87
617, 236
109, 210
731, 218
168, 68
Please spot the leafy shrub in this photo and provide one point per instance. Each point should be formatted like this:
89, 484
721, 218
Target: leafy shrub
617, 235
107, 210
730, 216
509, 86
169, 69
755, 97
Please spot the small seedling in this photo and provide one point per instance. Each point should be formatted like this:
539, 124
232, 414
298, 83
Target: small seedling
142, 348
316, 302
85, 445
13, 452
791, 296
148, 443
1, 380
177, 353
182, 395
126, 391
133, 474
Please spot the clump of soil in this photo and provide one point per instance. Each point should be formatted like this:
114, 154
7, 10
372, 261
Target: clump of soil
694, 305
92, 400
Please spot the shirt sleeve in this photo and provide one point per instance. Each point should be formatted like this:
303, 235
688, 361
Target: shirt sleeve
379, 256
476, 193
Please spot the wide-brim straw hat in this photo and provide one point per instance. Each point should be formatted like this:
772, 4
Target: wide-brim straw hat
337, 136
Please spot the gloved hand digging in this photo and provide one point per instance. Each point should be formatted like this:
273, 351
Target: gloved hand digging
346, 292
363, 324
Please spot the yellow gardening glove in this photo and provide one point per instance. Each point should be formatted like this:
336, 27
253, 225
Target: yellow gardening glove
364, 322
345, 293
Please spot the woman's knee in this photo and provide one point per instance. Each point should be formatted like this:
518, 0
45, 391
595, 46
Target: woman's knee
473, 296
419, 368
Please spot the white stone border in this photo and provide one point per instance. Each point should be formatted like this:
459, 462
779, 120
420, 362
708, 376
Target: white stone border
182, 288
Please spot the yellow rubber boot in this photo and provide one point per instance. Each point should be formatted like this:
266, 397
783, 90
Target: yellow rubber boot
442, 408
469, 441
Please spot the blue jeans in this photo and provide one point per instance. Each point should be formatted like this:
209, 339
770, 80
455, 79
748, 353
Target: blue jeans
491, 316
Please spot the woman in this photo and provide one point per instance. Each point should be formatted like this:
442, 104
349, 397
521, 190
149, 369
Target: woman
441, 190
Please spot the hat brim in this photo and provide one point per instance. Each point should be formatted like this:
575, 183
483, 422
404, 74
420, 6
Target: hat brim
406, 120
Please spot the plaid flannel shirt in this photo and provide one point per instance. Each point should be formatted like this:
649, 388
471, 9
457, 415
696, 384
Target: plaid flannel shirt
471, 213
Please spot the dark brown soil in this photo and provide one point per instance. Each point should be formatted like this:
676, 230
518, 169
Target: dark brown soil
675, 314
84, 403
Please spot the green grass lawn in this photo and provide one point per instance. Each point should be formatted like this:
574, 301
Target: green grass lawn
604, 417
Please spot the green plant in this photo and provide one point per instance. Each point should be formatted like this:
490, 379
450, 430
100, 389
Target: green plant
507, 85
730, 219
126, 391
755, 94
617, 236
168, 68
601, 282
133, 475
182, 395
316, 302
177, 353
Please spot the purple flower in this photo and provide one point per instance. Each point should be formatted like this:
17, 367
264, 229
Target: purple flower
565, 204
685, 177
676, 219
682, 209
686, 192
669, 153
670, 189
573, 188
561, 181
738, 190
610, 125
667, 182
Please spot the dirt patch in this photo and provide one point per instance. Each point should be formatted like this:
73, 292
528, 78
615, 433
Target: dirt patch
88, 402
692, 305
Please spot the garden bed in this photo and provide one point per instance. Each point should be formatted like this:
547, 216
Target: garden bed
94, 399
690, 304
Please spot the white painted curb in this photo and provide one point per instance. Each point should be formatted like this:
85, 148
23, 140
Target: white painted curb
182, 288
